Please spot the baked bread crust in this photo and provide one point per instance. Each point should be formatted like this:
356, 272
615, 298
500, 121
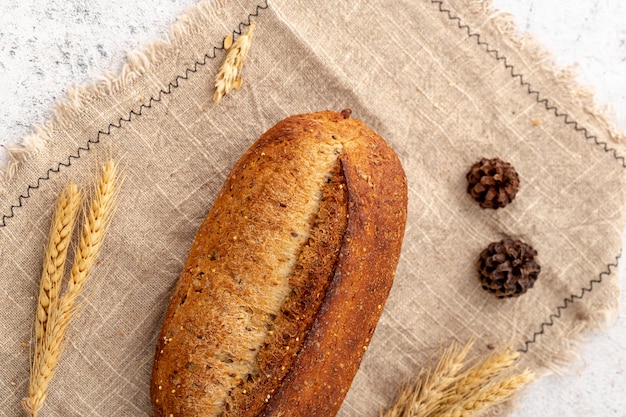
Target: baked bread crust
287, 276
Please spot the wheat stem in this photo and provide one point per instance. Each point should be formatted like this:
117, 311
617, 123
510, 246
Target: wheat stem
95, 223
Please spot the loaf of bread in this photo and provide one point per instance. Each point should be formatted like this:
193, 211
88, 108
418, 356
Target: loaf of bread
287, 276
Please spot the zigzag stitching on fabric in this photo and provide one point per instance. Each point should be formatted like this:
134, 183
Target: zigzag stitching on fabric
551, 108
568, 121
163, 92
566, 303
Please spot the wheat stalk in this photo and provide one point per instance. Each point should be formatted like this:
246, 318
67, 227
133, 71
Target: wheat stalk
454, 389
58, 314
229, 75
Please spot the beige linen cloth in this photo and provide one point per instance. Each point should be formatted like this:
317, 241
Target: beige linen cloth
445, 82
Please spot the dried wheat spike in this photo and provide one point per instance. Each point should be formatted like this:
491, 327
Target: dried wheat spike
58, 314
229, 75
456, 389
55, 255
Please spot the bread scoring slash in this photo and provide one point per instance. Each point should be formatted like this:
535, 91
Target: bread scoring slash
287, 276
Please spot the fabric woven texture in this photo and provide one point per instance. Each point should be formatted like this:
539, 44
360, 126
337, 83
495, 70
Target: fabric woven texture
445, 82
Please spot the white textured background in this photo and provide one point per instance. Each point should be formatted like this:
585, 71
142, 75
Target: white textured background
47, 46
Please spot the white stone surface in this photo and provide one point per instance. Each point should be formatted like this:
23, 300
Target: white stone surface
47, 46
590, 33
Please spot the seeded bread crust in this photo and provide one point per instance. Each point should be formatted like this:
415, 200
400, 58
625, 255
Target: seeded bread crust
287, 276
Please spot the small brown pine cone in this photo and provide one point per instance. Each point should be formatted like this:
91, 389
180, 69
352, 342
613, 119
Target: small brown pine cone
493, 183
508, 268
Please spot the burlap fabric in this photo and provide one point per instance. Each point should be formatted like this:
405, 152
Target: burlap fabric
445, 82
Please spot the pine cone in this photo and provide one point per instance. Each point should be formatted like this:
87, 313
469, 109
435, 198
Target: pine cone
508, 268
492, 182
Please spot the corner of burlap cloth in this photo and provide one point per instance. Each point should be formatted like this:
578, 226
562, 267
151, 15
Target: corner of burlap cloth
445, 82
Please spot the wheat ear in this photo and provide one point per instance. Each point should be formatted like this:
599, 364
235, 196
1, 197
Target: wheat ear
229, 75
453, 389
55, 255
423, 396
484, 371
487, 396
95, 223
484, 384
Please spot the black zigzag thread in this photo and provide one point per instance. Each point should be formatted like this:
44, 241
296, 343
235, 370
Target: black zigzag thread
566, 302
550, 107
568, 121
163, 92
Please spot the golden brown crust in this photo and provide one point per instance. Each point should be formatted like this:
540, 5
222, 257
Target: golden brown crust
312, 276
323, 372
243, 333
